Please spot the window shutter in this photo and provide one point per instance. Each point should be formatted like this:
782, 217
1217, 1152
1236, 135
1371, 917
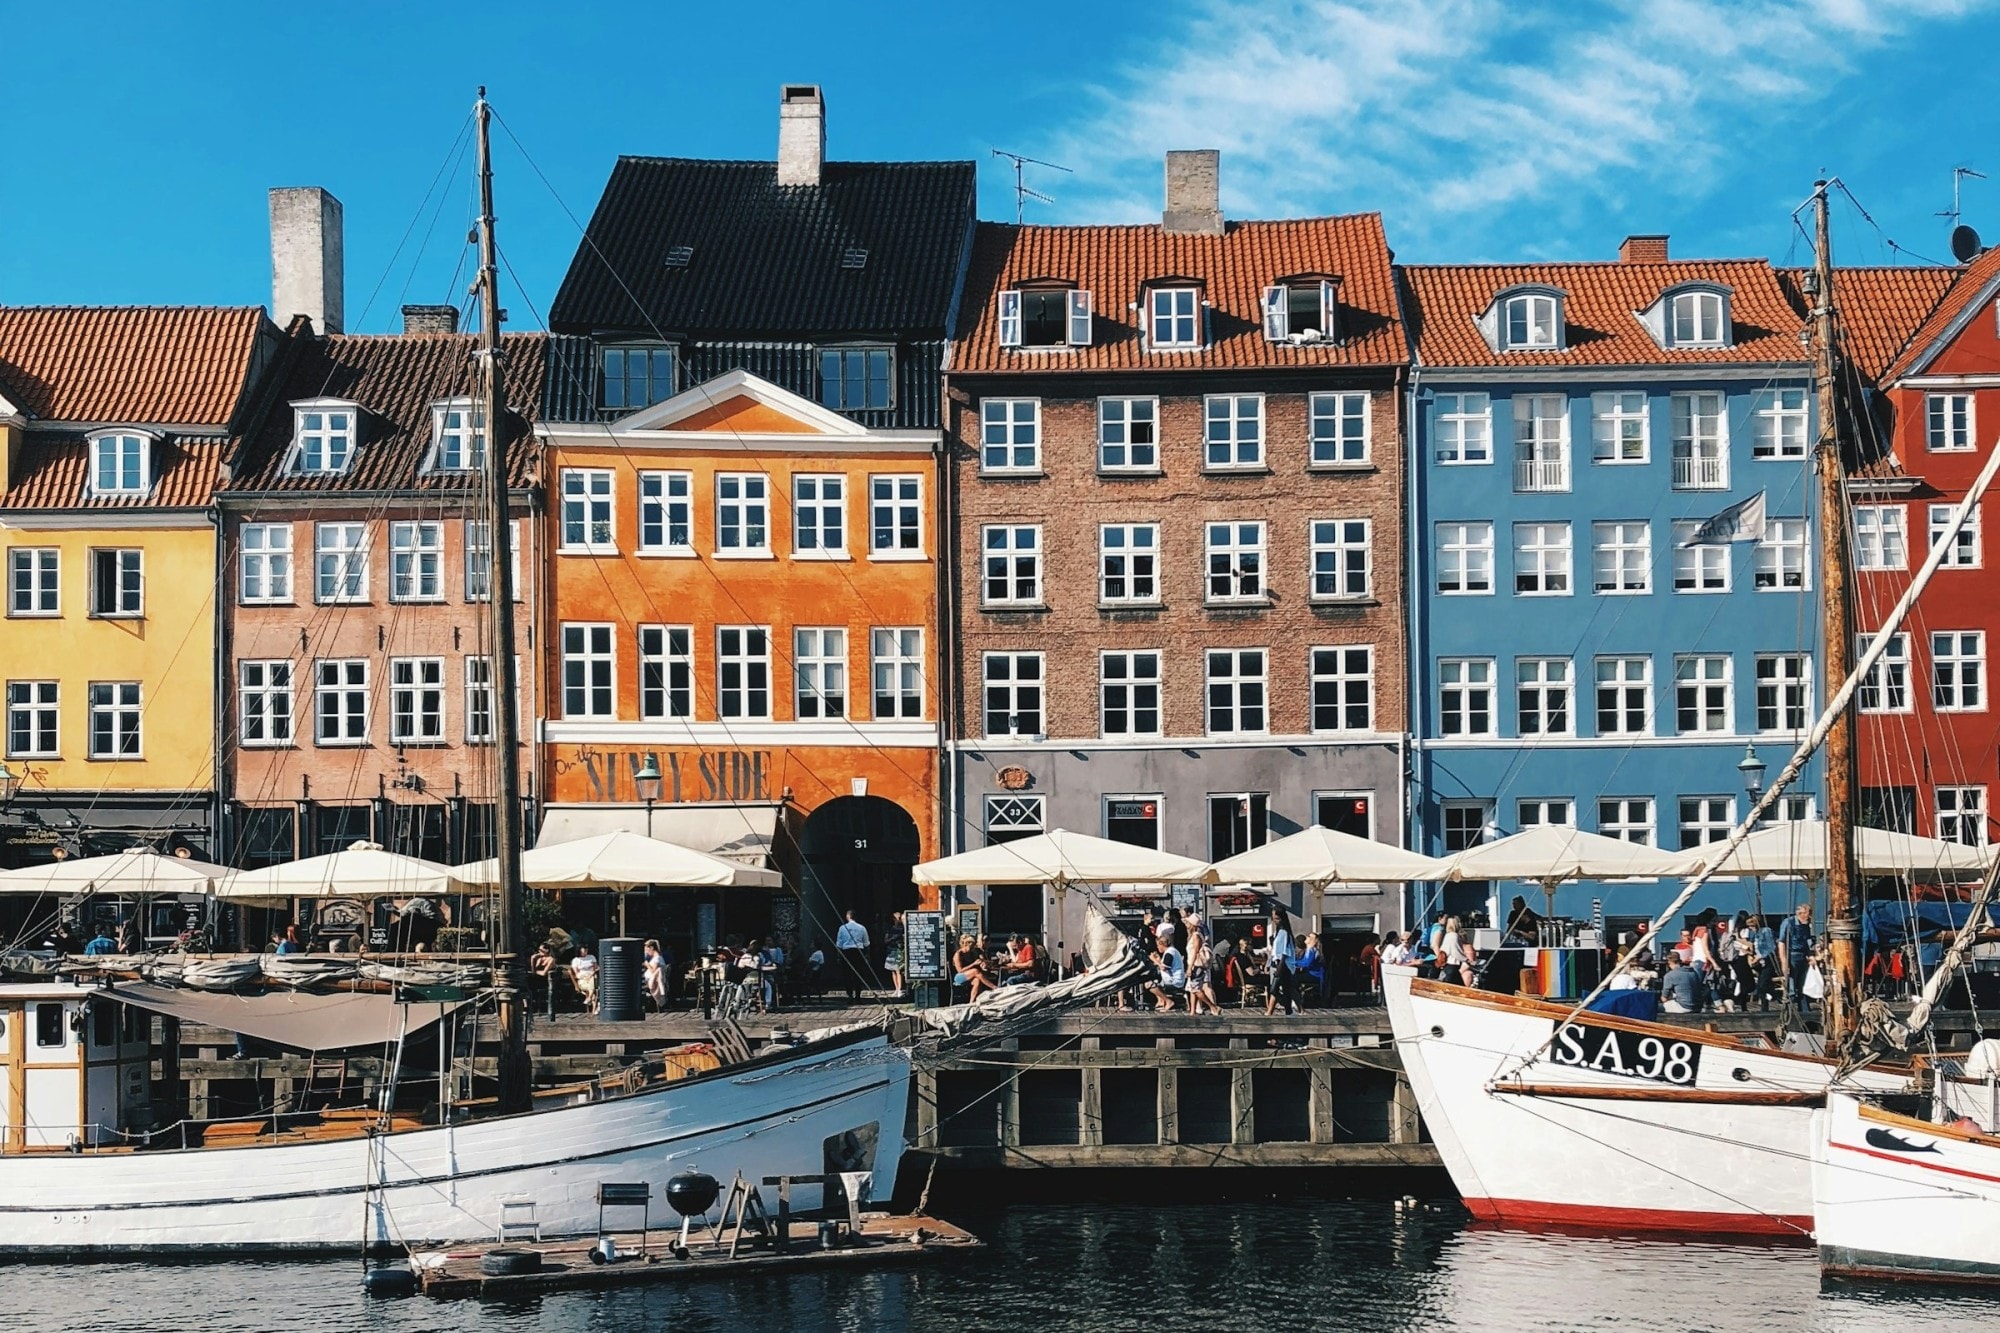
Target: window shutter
1079, 318
1010, 319
1326, 309
1276, 322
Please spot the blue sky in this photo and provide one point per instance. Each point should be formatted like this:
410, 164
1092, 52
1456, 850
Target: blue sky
143, 139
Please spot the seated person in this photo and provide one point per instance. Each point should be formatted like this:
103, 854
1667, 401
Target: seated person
1682, 990
584, 969
1172, 984
969, 969
1018, 964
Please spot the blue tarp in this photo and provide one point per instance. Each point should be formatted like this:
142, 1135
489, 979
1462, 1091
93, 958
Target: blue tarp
1640, 1004
1890, 925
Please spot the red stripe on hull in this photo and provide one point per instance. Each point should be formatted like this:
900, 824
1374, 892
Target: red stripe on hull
1536, 1213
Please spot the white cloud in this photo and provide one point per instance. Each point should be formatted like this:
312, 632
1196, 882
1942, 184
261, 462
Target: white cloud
1461, 115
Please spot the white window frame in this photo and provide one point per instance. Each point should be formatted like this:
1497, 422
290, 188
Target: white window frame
1010, 565
1337, 430
666, 673
1961, 811
1465, 549
416, 701
344, 682
742, 516
1700, 420
480, 724
265, 714
1779, 422
1542, 811
1011, 686
1239, 419
1544, 696
1179, 313
1539, 319
742, 672
130, 455
896, 516
1880, 538
1778, 560
588, 511
589, 661
1707, 566
1122, 548
1968, 549
1342, 679
1958, 670
1464, 429
1544, 563
458, 436
1342, 559
1621, 556
1709, 818
1886, 687
1119, 421
416, 561
666, 509
1709, 679
1126, 678
478, 559
1687, 314
264, 564
1621, 675
1541, 443
1621, 427
125, 709
819, 516
1453, 820
1010, 436
1236, 693
1465, 697
35, 571
128, 592
1236, 563
324, 435
1949, 423
896, 664
1621, 817
819, 672
34, 710
1017, 814
1787, 678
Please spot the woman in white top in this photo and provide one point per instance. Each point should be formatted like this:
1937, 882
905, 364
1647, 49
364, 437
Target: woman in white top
1394, 951
1456, 953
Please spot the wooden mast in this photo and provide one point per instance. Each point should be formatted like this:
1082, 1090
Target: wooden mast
1843, 928
515, 1072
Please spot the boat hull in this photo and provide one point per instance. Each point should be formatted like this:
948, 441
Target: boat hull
1896, 1197
1592, 1146
840, 1102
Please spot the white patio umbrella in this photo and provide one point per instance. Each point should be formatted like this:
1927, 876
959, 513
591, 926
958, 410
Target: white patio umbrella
134, 870
622, 860
363, 870
1800, 847
1319, 855
1062, 857
1552, 853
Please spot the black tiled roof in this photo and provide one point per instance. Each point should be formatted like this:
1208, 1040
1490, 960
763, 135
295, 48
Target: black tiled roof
767, 260
395, 379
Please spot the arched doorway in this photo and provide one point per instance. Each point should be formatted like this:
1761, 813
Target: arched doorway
855, 853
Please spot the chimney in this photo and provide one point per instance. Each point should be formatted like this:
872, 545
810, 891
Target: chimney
801, 134
307, 274
1643, 250
430, 319
1194, 192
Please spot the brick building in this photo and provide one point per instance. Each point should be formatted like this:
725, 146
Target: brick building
1176, 492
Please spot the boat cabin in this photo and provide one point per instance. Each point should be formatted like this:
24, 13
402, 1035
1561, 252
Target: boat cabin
75, 1068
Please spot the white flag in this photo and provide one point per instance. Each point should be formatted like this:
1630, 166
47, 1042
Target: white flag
1741, 522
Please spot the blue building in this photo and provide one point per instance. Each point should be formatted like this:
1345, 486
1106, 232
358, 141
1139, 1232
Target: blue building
1572, 661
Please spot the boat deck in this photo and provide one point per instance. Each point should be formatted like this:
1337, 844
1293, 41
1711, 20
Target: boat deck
567, 1264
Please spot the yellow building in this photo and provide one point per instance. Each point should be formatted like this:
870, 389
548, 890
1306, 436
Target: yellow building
113, 426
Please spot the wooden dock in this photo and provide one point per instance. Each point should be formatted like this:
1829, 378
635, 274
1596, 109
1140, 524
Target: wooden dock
567, 1264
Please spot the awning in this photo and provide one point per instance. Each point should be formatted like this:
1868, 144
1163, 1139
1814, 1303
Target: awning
740, 831
294, 1019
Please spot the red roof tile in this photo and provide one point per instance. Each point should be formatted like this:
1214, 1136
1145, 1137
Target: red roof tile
1115, 264
1600, 311
54, 473
130, 365
1973, 280
1878, 308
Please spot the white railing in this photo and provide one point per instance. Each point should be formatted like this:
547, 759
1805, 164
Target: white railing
1700, 472
1541, 474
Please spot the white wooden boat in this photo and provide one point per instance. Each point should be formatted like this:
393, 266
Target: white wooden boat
75, 1179
1896, 1196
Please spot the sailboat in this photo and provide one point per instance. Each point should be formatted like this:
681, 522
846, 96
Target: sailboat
79, 1174
1547, 1114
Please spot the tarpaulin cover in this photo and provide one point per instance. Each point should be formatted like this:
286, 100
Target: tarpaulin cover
293, 1019
1889, 925
1643, 1005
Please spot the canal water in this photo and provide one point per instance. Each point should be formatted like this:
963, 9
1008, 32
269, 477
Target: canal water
1251, 1266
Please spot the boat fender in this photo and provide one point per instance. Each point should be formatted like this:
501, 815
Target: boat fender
510, 1263
389, 1280
1983, 1060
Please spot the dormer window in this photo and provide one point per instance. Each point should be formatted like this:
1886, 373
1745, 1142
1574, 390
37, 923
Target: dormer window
121, 463
1299, 310
1697, 319
458, 436
1173, 318
323, 437
1045, 317
1528, 320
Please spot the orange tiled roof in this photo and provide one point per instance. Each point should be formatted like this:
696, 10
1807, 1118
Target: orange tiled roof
54, 473
1115, 263
1600, 312
1973, 280
1878, 307
133, 365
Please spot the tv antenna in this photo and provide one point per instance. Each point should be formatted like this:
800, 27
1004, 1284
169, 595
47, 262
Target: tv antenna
1022, 193
1964, 240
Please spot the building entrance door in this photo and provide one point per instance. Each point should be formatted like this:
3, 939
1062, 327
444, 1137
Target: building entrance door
855, 853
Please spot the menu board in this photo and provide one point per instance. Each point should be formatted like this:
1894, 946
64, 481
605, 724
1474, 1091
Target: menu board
972, 922
1187, 895
926, 946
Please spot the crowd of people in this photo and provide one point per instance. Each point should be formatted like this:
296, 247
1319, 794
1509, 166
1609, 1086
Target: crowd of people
1199, 972
1729, 965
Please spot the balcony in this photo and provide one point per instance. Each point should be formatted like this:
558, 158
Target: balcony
1701, 472
1541, 473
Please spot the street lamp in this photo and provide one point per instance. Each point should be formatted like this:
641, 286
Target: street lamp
1752, 769
647, 783
10, 784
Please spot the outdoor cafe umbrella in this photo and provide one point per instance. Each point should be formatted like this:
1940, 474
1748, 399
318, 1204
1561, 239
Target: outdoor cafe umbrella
1799, 847
1552, 853
1320, 855
622, 860
134, 870
364, 870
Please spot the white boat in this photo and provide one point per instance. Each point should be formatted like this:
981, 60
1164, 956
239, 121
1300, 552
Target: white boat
1624, 1126
1897, 1196
73, 1181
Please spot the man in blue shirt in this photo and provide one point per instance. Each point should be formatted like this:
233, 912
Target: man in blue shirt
1763, 944
1795, 947
852, 941
1173, 974
100, 944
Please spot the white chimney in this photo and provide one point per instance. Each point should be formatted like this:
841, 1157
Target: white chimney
801, 134
1194, 191
307, 272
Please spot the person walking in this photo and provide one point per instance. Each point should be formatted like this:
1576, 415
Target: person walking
852, 942
892, 954
1795, 950
1278, 957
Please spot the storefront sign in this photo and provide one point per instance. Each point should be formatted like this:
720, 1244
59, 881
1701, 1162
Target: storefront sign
685, 775
926, 946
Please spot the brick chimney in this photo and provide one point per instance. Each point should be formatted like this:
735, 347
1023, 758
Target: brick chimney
1643, 250
430, 319
307, 269
1194, 192
801, 134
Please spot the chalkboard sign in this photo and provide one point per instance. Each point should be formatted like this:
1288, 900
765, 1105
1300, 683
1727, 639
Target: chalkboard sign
926, 946
378, 938
972, 922
1187, 895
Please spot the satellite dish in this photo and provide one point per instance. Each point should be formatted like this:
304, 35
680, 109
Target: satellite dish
1964, 244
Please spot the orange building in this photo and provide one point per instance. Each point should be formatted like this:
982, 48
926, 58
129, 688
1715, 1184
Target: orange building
742, 596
